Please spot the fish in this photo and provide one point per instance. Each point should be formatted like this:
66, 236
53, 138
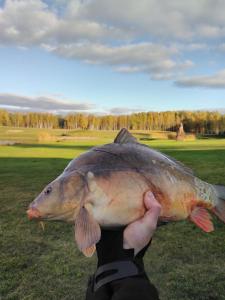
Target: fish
105, 187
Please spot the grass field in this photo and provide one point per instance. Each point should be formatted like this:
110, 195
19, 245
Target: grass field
183, 262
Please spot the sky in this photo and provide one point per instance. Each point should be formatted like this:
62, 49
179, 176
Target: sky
112, 56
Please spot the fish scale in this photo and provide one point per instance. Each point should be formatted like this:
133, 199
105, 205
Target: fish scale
105, 187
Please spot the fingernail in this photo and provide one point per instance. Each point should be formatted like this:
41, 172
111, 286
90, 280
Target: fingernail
149, 194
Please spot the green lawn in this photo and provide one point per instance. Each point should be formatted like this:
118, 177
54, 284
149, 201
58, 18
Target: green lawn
183, 262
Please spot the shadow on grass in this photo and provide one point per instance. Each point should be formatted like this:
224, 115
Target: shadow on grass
210, 137
26, 168
56, 146
203, 162
142, 134
148, 139
36, 264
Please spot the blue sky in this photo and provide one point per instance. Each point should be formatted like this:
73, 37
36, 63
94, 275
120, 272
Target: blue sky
108, 56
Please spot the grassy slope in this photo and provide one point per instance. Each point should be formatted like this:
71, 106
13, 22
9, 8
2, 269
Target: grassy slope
183, 262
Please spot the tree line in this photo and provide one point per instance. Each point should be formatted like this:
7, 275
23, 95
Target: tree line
200, 122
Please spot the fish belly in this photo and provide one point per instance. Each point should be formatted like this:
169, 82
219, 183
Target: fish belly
117, 200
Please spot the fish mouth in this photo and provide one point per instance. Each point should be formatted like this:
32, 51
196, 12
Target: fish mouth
35, 214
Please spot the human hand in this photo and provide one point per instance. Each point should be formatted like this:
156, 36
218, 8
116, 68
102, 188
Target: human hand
138, 234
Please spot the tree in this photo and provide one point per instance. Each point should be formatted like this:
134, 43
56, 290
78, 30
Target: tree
4, 118
202, 122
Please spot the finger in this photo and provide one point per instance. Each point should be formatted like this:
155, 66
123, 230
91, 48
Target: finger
150, 201
150, 218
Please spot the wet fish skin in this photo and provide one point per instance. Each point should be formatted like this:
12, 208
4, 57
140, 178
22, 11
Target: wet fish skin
105, 187
176, 189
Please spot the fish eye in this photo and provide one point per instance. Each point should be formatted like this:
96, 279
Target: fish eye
48, 190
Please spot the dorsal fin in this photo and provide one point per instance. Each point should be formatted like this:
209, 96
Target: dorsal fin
124, 136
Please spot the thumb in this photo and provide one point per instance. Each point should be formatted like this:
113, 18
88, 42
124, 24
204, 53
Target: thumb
151, 202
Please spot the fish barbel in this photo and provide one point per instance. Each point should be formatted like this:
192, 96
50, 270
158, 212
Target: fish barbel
105, 187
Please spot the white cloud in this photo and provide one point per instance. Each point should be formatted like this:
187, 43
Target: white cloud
155, 59
124, 110
191, 46
148, 36
213, 81
42, 104
33, 22
167, 19
51, 104
221, 47
26, 22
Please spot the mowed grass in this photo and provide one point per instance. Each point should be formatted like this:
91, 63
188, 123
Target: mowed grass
183, 262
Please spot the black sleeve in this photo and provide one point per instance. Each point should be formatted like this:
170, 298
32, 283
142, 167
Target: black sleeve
110, 248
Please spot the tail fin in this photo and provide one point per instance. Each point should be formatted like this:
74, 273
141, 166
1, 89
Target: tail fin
219, 209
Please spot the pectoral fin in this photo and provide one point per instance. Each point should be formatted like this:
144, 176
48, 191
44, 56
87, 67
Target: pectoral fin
202, 219
89, 251
87, 232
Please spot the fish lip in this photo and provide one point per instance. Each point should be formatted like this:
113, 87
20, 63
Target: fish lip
33, 213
